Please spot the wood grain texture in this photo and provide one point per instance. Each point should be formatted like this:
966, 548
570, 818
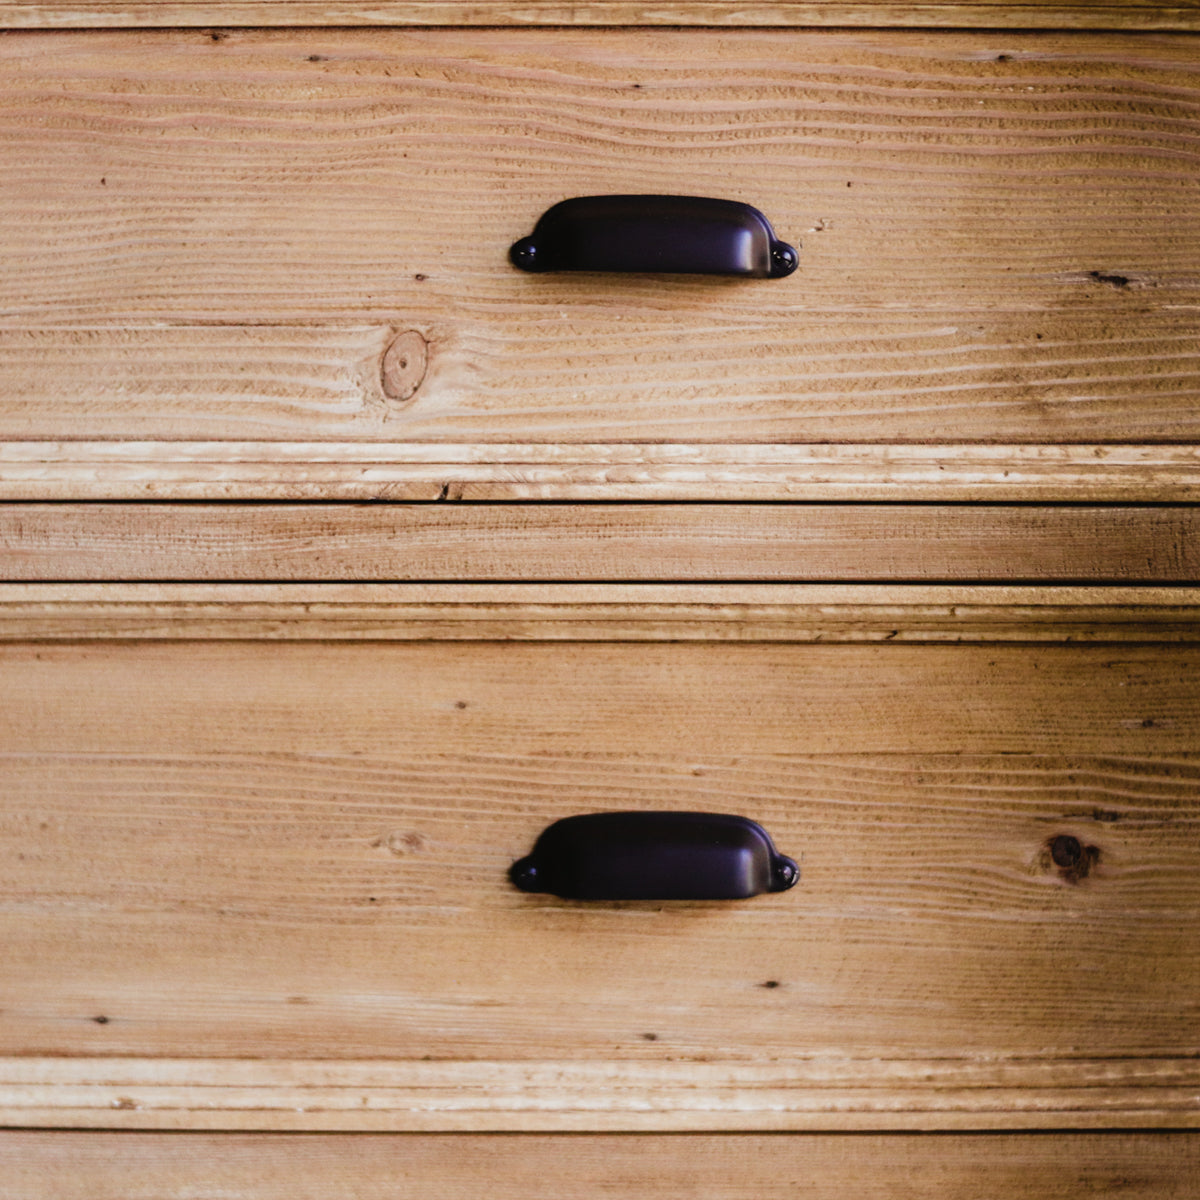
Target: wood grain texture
995, 699
203, 239
603, 368
597, 612
299, 850
602, 542
57, 1166
955, 14
829, 1094
58, 471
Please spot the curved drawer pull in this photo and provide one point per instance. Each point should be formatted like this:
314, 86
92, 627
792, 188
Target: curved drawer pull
688, 234
654, 856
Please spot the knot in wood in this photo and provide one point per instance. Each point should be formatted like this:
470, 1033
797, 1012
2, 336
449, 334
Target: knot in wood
1073, 859
402, 841
404, 364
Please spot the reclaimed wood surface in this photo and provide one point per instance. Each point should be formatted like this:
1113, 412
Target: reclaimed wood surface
596, 612
600, 542
1030, 14
210, 236
90, 471
626, 1095
298, 851
596, 359
994, 699
41, 1166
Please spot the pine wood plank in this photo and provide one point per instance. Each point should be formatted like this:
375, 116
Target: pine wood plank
609, 542
1067, 373
41, 1166
627, 1097
299, 850
994, 699
597, 612
211, 238
57, 471
239, 923
955, 14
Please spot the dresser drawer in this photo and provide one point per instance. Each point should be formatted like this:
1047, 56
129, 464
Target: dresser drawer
255, 841
255, 263
255, 836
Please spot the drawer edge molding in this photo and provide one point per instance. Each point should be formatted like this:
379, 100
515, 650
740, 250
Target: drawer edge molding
843, 613
599, 1096
417, 471
93, 14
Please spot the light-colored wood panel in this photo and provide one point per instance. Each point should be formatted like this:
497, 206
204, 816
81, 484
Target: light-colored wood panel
611, 542
1066, 375
597, 612
301, 850
955, 14
230, 910
625, 1096
538, 698
57, 471
60, 1166
939, 136
1001, 187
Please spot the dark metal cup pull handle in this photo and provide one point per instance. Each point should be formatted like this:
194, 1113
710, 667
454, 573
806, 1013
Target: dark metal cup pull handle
684, 234
654, 856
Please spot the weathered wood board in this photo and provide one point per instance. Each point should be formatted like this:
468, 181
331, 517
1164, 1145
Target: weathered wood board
296, 851
41, 1166
957, 14
214, 236
601, 542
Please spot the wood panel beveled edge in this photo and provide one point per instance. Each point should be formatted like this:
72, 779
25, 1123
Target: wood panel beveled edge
599, 1096
849, 613
83, 471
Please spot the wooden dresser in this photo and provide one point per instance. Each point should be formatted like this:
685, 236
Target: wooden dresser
338, 558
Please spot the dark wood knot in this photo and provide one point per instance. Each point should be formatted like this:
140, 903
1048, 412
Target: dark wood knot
1071, 857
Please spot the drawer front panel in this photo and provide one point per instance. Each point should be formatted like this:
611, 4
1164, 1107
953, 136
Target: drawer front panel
60, 1166
213, 236
299, 850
